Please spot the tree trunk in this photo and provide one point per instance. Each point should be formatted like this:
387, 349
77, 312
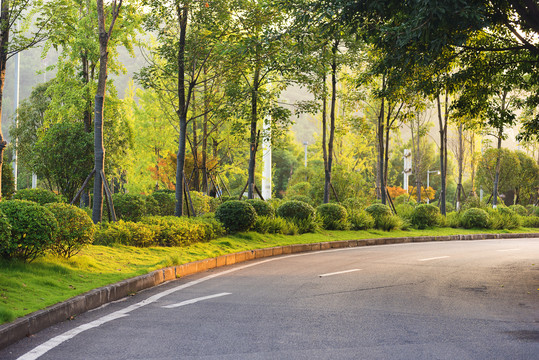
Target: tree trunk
194, 149
442, 121
327, 182
204, 167
417, 160
497, 176
460, 165
253, 141
381, 166
182, 13
4, 41
324, 136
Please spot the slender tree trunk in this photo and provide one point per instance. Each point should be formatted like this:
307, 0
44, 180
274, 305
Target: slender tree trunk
418, 163
99, 150
327, 182
182, 13
442, 121
460, 165
253, 138
497, 175
4, 41
204, 166
386, 148
194, 149
472, 152
324, 135
381, 166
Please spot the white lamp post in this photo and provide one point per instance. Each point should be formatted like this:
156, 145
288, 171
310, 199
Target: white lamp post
428, 173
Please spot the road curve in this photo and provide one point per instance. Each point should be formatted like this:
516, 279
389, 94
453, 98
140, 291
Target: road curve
442, 300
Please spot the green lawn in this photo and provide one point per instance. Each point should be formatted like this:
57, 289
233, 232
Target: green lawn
25, 288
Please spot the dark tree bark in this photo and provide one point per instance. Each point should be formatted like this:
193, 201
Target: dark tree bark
442, 122
380, 133
253, 140
4, 41
460, 158
329, 162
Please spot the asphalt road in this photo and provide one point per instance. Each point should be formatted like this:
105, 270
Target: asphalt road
442, 300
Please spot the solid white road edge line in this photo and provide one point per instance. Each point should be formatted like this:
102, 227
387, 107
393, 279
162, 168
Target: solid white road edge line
339, 272
195, 300
434, 258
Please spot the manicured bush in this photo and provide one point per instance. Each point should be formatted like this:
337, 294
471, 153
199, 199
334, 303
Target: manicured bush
274, 225
310, 225
295, 209
301, 188
474, 218
33, 228
5, 232
452, 219
530, 221
379, 212
75, 229
178, 231
161, 203
236, 215
334, 216
405, 211
303, 198
503, 218
519, 209
262, 208
361, 220
388, 223
353, 204
129, 207
126, 233
425, 215
37, 195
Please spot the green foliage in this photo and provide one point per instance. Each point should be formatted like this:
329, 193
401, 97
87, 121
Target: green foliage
353, 204
274, 225
129, 207
404, 199
5, 232
405, 211
519, 209
530, 221
473, 202
452, 219
236, 215
161, 203
425, 215
302, 188
380, 212
503, 218
8, 180
531, 209
304, 198
509, 170
37, 195
388, 223
125, 233
75, 229
64, 157
201, 203
310, 225
262, 207
361, 220
33, 228
294, 209
334, 216
182, 231
474, 218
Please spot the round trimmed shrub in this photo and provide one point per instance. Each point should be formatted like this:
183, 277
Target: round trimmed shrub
75, 229
474, 218
33, 228
378, 212
361, 220
5, 232
334, 216
519, 209
236, 215
425, 215
295, 209
129, 207
303, 198
37, 195
262, 208
161, 203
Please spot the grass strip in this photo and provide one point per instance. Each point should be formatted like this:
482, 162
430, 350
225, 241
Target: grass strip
25, 288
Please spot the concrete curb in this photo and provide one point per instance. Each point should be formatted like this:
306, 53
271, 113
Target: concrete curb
39, 320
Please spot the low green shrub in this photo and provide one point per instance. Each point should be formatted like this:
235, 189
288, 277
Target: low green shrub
129, 207
333, 216
405, 211
353, 204
404, 199
302, 188
379, 212
236, 215
361, 220
473, 202
474, 218
75, 229
295, 209
388, 223
201, 203
519, 209
425, 215
5, 232
274, 225
310, 225
530, 221
262, 208
303, 198
33, 228
125, 233
161, 203
452, 219
503, 218
178, 231
37, 195
214, 228
531, 209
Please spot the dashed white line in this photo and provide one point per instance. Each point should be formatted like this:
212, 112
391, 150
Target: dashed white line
508, 250
192, 301
339, 272
434, 258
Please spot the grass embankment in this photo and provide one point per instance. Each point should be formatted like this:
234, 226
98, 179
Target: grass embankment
25, 288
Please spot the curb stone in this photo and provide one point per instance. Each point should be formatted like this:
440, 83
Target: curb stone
32, 323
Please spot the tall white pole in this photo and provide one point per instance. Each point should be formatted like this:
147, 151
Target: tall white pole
16, 112
266, 158
427, 189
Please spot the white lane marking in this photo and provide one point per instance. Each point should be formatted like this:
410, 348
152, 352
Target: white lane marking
339, 272
509, 250
434, 258
192, 301
52, 343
